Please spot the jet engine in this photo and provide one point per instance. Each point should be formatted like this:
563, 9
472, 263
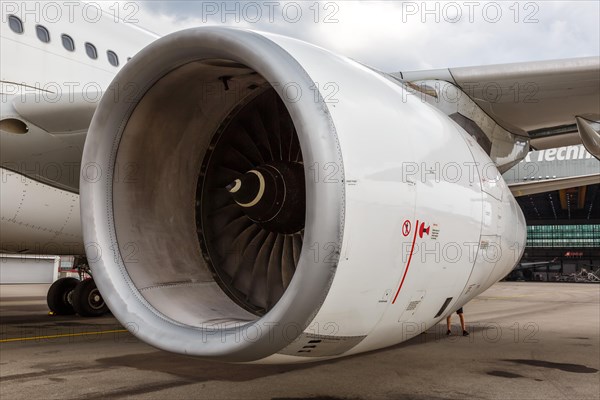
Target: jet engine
248, 197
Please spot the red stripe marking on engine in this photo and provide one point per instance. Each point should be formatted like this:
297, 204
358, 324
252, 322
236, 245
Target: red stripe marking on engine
412, 248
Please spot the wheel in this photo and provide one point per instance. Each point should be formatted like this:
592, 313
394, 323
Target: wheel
60, 296
87, 300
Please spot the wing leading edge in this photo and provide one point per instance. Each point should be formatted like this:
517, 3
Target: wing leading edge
541, 98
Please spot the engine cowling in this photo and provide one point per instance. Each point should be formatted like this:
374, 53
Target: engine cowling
257, 198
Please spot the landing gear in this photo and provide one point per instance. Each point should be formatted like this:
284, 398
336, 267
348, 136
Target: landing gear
68, 296
60, 296
87, 300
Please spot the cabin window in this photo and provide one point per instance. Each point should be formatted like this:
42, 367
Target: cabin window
68, 42
90, 50
112, 58
42, 33
15, 24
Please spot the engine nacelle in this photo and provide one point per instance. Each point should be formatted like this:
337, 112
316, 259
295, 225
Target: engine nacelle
258, 198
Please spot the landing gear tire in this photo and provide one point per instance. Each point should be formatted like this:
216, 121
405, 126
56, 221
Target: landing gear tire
60, 296
87, 300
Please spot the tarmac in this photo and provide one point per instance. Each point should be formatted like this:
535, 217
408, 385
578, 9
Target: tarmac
528, 341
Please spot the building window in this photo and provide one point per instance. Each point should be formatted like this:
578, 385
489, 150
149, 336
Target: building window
42, 33
15, 24
90, 50
112, 58
68, 42
565, 236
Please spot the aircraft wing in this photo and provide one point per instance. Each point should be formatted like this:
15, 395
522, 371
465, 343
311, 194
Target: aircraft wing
530, 264
71, 112
534, 187
51, 150
541, 99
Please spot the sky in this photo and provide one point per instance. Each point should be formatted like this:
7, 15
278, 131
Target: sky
400, 35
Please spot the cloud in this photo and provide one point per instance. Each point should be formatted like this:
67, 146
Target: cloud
394, 35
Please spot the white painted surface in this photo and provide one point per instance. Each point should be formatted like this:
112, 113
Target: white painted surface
380, 152
26, 269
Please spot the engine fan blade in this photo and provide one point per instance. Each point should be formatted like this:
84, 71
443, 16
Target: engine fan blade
274, 269
258, 292
252, 251
288, 263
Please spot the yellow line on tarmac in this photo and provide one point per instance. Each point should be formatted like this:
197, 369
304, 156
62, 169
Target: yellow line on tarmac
62, 335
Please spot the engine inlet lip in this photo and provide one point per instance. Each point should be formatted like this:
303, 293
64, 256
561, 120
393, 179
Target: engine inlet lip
324, 209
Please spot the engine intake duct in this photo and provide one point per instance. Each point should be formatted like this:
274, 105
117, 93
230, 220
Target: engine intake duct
206, 200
